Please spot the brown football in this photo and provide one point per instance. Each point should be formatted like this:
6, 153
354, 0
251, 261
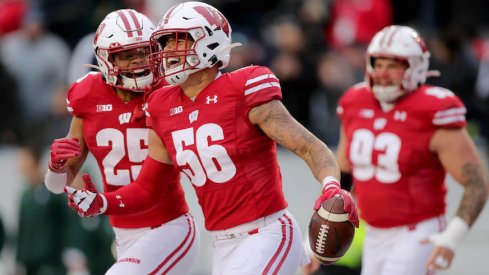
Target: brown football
330, 231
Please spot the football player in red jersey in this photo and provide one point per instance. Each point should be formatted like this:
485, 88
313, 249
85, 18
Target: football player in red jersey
163, 238
221, 131
399, 137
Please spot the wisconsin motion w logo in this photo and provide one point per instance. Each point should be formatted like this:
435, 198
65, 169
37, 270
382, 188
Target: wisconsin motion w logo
125, 118
193, 116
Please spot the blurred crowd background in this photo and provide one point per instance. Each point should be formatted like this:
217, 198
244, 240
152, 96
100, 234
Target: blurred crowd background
315, 47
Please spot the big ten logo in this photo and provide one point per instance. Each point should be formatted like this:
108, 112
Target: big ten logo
104, 108
176, 110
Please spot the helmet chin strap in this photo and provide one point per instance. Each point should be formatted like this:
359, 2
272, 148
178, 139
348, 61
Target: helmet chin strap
179, 78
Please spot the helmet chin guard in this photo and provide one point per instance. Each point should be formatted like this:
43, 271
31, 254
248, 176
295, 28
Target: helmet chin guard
123, 31
388, 94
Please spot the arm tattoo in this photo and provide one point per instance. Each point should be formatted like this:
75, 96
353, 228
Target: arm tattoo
279, 125
475, 193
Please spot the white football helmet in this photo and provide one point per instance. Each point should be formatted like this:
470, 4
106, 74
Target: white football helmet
124, 30
209, 30
403, 43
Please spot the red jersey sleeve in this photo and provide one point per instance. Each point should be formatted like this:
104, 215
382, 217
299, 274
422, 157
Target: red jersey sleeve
349, 99
77, 97
260, 85
445, 110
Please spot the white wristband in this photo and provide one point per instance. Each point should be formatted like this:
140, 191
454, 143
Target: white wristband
55, 182
330, 180
455, 230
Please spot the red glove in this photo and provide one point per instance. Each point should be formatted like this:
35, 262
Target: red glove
332, 187
63, 149
86, 202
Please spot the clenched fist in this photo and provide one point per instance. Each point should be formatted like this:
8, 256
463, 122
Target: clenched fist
62, 150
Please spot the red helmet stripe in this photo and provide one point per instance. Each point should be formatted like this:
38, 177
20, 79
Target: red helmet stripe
167, 16
136, 22
126, 23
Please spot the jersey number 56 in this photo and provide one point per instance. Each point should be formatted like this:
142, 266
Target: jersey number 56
209, 160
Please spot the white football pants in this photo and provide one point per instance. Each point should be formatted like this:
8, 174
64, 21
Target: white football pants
168, 249
397, 250
270, 245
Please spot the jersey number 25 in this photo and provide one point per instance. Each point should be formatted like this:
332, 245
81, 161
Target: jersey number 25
121, 145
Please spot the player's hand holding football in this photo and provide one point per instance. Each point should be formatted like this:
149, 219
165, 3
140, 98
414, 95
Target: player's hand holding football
86, 202
63, 149
332, 187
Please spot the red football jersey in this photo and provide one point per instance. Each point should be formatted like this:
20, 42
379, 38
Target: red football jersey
398, 180
119, 146
231, 163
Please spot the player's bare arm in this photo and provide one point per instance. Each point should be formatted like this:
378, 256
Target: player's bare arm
341, 153
459, 157
277, 123
74, 164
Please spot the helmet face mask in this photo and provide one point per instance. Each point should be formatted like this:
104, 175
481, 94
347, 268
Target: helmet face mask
121, 46
175, 57
194, 22
403, 43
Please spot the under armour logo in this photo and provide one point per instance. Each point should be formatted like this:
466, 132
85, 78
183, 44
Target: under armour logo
400, 115
209, 99
193, 116
145, 109
121, 204
125, 118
